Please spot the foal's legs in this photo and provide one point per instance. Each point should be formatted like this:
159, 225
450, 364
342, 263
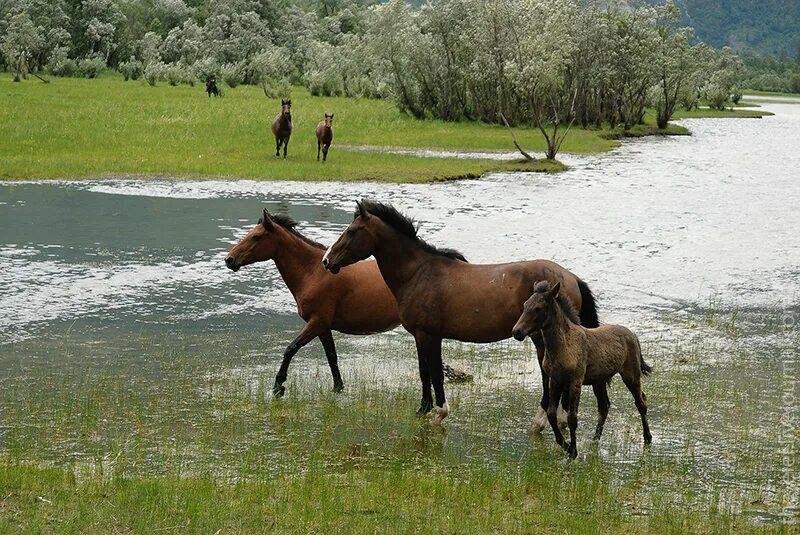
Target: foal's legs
540, 419
635, 386
333, 360
430, 348
572, 418
603, 404
555, 392
277, 147
318, 149
325, 153
285, 145
309, 332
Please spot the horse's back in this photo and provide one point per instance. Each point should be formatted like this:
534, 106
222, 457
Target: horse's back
610, 347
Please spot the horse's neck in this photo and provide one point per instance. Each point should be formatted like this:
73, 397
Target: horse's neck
399, 258
555, 332
295, 260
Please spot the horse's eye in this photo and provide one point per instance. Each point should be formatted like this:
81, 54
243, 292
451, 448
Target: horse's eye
256, 237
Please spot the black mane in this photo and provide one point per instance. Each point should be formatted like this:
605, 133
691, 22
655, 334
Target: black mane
563, 302
407, 227
289, 224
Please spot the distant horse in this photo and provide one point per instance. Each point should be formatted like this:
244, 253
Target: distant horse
325, 136
211, 86
576, 356
441, 297
357, 302
282, 127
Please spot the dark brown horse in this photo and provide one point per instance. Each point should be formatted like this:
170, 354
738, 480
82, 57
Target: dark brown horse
355, 302
441, 297
325, 136
282, 127
576, 356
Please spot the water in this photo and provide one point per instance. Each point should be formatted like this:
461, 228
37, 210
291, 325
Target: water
662, 229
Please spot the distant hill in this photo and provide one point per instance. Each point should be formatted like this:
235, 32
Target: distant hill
764, 27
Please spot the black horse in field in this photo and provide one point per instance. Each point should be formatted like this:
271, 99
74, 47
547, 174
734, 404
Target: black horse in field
211, 86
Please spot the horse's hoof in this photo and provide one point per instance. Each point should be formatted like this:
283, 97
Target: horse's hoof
278, 391
338, 387
424, 409
440, 413
648, 440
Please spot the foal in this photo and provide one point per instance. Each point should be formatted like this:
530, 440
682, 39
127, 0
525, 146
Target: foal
282, 127
577, 356
325, 136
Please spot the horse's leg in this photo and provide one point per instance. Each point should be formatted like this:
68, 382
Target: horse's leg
430, 348
309, 332
425, 378
635, 386
554, 397
285, 146
572, 418
277, 147
325, 153
603, 404
333, 361
319, 146
540, 420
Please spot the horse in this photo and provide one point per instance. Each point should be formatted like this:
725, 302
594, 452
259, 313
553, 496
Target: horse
325, 136
577, 356
211, 86
282, 127
358, 302
440, 296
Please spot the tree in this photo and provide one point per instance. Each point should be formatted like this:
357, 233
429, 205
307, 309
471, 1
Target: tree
675, 63
19, 44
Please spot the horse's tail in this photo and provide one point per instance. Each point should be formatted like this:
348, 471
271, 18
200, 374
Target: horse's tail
646, 368
588, 311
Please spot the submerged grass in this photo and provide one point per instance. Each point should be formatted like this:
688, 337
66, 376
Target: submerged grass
164, 441
75, 128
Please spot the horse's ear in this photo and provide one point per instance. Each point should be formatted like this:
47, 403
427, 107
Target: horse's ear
266, 221
283, 102
331, 116
363, 213
553, 293
289, 102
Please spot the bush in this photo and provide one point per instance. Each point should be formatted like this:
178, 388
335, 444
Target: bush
327, 83
131, 69
154, 72
90, 67
175, 74
65, 68
715, 95
794, 83
232, 74
203, 68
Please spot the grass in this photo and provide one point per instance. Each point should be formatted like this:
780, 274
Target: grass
75, 128
770, 93
156, 440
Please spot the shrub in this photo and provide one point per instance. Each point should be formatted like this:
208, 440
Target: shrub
232, 74
154, 72
131, 69
203, 68
175, 74
90, 67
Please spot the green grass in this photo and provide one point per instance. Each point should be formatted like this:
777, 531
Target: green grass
75, 128
770, 93
727, 113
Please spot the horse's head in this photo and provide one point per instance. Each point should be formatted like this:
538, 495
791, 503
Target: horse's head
357, 242
537, 310
328, 120
286, 107
257, 246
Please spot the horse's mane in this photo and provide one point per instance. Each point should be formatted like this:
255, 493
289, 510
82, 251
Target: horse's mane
407, 227
289, 224
563, 302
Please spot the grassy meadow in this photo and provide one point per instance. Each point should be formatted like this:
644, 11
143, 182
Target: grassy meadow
76, 128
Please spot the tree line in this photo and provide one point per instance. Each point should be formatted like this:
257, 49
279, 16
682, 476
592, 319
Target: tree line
542, 62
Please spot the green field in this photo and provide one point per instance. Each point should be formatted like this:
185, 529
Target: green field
76, 128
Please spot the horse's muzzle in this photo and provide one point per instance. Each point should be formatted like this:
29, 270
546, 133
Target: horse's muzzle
518, 334
232, 264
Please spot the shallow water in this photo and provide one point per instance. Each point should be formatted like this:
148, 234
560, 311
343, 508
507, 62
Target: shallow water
664, 230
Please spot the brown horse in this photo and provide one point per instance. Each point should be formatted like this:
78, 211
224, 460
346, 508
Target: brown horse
325, 136
282, 127
440, 297
355, 302
576, 356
